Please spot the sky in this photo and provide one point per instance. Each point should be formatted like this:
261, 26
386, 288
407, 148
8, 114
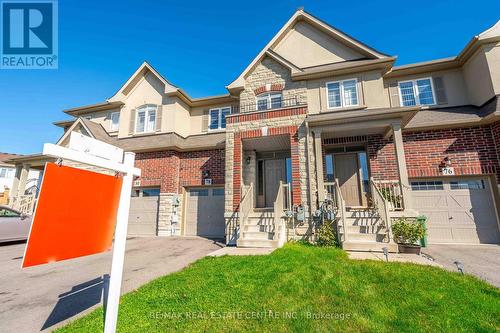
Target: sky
202, 46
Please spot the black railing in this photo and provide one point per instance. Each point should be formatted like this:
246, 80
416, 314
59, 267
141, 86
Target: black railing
272, 104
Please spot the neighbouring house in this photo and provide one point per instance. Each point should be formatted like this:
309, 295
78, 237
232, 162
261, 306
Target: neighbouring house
316, 115
7, 176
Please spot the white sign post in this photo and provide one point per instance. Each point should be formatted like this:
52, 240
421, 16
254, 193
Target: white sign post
100, 154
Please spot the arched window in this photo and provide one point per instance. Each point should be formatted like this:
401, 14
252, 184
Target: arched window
145, 120
269, 100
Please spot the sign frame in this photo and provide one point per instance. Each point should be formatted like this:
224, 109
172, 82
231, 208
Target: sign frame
100, 158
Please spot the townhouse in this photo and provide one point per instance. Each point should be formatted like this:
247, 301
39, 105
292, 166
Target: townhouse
317, 119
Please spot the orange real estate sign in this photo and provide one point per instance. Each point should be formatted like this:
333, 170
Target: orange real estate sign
75, 215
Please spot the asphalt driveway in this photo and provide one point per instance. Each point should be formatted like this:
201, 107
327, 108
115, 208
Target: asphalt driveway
482, 261
45, 297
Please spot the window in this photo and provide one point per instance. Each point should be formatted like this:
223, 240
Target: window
270, 100
218, 192
218, 118
115, 121
427, 186
416, 92
6, 173
146, 119
198, 193
342, 93
467, 185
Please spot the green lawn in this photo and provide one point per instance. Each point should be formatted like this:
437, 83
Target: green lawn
299, 282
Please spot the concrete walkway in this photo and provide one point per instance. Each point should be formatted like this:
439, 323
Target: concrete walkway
393, 257
240, 251
482, 261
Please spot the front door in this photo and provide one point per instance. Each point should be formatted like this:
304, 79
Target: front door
347, 173
274, 172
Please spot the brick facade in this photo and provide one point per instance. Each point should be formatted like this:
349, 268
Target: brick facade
472, 150
171, 170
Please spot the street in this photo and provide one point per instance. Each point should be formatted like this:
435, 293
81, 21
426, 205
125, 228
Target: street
46, 297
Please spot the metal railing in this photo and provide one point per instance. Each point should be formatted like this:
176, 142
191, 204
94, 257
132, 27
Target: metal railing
246, 204
279, 208
290, 101
24, 203
392, 191
333, 193
381, 204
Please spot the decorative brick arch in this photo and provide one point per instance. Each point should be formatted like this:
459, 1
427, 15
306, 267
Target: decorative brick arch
269, 87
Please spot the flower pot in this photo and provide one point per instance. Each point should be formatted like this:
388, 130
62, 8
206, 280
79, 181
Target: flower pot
408, 248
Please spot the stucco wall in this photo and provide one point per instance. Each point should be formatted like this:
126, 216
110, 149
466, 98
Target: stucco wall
454, 85
316, 47
477, 77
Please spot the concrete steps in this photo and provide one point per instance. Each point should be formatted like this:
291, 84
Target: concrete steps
364, 232
258, 230
369, 246
250, 242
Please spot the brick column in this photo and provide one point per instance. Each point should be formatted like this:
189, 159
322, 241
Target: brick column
294, 151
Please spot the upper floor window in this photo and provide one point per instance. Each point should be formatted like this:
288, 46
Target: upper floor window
269, 100
342, 93
115, 121
146, 119
218, 118
416, 92
6, 173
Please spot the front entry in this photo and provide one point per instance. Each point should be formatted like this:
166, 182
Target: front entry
347, 172
272, 167
349, 165
274, 172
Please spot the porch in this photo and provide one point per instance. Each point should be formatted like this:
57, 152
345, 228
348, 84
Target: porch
24, 192
361, 170
266, 190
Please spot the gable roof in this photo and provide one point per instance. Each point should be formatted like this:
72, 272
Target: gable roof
4, 157
301, 15
144, 68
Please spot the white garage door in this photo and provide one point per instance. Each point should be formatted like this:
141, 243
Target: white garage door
143, 217
459, 210
205, 212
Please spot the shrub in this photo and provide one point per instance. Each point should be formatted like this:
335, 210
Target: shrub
407, 232
326, 235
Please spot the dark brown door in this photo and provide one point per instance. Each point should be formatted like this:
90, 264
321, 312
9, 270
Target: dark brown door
347, 172
274, 173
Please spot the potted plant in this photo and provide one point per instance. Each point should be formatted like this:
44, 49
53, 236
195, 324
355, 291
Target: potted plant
407, 234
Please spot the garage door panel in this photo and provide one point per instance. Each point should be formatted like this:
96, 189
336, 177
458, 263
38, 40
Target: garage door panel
430, 200
143, 216
440, 234
205, 213
458, 211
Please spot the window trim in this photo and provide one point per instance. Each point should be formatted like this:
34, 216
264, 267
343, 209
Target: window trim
415, 91
154, 108
341, 88
111, 128
219, 118
268, 99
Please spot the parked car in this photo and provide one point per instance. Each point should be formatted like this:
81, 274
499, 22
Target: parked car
14, 225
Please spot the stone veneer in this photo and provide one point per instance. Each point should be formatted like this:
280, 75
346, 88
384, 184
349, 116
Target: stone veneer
270, 72
287, 121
